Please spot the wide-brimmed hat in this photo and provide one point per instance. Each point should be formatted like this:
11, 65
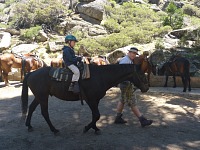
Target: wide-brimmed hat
133, 49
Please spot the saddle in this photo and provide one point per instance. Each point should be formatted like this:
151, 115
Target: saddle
65, 74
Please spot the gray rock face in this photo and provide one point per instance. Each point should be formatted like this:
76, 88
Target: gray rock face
53, 46
42, 36
93, 9
5, 40
2, 1
154, 2
24, 48
86, 0
13, 31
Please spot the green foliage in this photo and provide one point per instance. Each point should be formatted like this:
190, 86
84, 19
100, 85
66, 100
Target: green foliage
36, 13
191, 10
9, 2
112, 26
159, 44
174, 17
30, 34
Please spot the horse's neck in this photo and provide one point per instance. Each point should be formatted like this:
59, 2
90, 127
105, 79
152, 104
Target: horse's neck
115, 74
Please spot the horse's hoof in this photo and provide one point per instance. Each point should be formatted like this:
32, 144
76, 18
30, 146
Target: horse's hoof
56, 133
184, 90
84, 130
30, 129
174, 86
98, 132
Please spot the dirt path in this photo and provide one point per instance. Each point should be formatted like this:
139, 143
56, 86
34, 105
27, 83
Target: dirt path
176, 123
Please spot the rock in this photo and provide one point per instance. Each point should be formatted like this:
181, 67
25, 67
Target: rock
13, 31
154, 2
42, 36
53, 47
90, 19
2, 1
93, 9
5, 40
178, 4
140, 1
188, 33
96, 32
24, 48
155, 8
86, 0
197, 3
4, 18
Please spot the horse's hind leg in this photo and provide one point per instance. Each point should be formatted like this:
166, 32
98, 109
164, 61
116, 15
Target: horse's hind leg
45, 114
184, 83
174, 78
166, 80
95, 118
32, 108
5, 76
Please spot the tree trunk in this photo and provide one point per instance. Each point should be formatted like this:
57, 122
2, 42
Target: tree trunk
71, 5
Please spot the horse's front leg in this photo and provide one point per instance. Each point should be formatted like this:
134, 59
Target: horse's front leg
95, 117
174, 78
5, 76
189, 88
166, 80
44, 109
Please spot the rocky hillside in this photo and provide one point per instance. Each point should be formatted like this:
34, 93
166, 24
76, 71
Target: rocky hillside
102, 26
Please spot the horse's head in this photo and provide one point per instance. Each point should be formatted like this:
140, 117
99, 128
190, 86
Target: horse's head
161, 71
139, 79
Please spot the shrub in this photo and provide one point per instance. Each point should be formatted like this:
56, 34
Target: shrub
30, 34
112, 26
37, 13
191, 10
174, 17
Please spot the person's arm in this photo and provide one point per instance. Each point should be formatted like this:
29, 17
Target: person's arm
68, 57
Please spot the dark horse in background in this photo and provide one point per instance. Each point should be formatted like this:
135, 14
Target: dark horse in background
177, 65
93, 89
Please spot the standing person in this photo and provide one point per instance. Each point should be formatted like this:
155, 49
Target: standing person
127, 94
71, 60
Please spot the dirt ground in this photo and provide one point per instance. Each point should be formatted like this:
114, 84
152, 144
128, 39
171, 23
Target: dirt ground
176, 124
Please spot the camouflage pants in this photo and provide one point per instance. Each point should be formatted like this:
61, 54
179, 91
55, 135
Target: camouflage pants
127, 94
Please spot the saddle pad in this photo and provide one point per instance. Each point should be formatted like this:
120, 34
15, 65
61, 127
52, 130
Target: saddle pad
86, 72
64, 74
61, 74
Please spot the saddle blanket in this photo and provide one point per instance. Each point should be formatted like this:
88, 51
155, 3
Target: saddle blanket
65, 74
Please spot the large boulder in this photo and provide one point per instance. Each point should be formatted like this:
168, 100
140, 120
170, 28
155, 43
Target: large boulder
2, 1
42, 36
24, 48
5, 40
54, 46
13, 31
93, 9
154, 2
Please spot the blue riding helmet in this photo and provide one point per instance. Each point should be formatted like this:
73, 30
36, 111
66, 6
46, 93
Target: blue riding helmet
70, 38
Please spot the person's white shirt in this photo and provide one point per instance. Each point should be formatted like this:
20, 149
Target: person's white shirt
126, 60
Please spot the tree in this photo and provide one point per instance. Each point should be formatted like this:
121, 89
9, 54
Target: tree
174, 17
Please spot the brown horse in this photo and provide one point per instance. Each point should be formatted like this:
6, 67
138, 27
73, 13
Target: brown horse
177, 65
26, 62
145, 64
99, 60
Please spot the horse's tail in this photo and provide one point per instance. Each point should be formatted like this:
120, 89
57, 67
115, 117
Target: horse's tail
24, 96
187, 69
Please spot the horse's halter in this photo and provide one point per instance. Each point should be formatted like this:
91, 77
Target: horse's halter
136, 72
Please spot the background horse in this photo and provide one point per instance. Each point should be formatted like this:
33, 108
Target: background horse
177, 65
145, 64
93, 89
26, 62
99, 60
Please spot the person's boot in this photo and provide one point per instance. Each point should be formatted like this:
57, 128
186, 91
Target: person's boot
145, 122
76, 89
119, 119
